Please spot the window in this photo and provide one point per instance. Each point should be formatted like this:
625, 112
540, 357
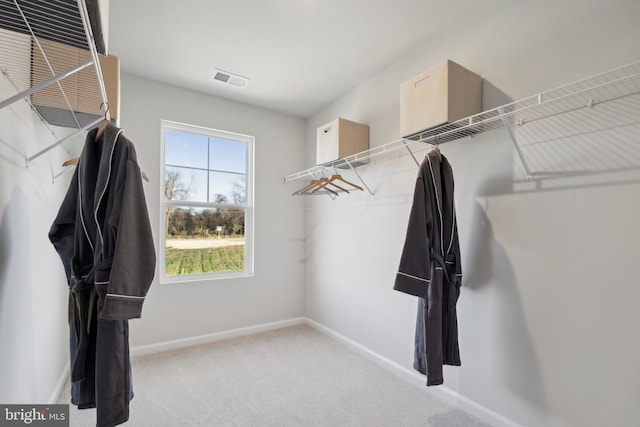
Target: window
206, 203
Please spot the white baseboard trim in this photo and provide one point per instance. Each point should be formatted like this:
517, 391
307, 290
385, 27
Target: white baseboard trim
55, 394
216, 336
186, 342
441, 392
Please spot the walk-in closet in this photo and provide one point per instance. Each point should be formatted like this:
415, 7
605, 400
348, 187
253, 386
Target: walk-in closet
361, 213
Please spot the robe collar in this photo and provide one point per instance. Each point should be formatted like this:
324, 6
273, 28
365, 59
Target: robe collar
94, 173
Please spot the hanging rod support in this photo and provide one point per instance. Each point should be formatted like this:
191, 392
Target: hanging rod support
410, 153
44, 84
514, 140
73, 135
359, 177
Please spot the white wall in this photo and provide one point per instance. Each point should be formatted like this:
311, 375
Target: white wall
548, 311
33, 290
276, 292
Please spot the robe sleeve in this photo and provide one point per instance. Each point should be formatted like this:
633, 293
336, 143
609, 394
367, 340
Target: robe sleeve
456, 251
62, 230
414, 275
134, 258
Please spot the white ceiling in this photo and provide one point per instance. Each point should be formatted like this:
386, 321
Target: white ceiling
299, 54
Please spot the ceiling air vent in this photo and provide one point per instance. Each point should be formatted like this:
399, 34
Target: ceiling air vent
229, 78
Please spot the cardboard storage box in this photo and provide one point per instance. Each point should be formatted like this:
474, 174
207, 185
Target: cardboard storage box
81, 89
440, 95
340, 138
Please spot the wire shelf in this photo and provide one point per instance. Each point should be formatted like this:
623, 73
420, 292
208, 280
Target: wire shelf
48, 54
555, 132
58, 21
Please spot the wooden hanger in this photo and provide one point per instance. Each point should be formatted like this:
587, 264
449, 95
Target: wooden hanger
323, 183
310, 185
340, 178
101, 128
70, 162
309, 188
436, 150
105, 122
326, 181
75, 161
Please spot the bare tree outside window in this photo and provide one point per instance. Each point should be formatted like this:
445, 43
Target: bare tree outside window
174, 189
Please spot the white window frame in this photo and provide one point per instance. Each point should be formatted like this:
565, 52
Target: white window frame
248, 206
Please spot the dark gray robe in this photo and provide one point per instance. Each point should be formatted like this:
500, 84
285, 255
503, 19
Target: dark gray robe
103, 236
430, 268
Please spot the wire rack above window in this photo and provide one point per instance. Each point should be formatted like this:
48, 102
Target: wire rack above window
554, 133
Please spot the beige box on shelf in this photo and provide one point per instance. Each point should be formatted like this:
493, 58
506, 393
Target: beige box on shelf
110, 67
340, 138
60, 58
81, 89
440, 95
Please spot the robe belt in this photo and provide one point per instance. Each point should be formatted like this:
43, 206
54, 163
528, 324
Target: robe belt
449, 298
447, 265
86, 300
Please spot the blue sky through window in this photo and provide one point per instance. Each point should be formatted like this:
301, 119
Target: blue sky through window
226, 155
214, 169
186, 149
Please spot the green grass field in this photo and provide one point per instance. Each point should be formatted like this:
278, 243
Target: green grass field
207, 260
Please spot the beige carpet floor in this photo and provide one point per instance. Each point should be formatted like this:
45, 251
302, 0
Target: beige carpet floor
293, 376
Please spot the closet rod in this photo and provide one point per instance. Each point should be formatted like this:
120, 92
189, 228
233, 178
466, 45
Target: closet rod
371, 153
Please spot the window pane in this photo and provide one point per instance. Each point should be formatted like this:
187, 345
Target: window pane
227, 188
185, 184
186, 149
228, 156
207, 200
203, 240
